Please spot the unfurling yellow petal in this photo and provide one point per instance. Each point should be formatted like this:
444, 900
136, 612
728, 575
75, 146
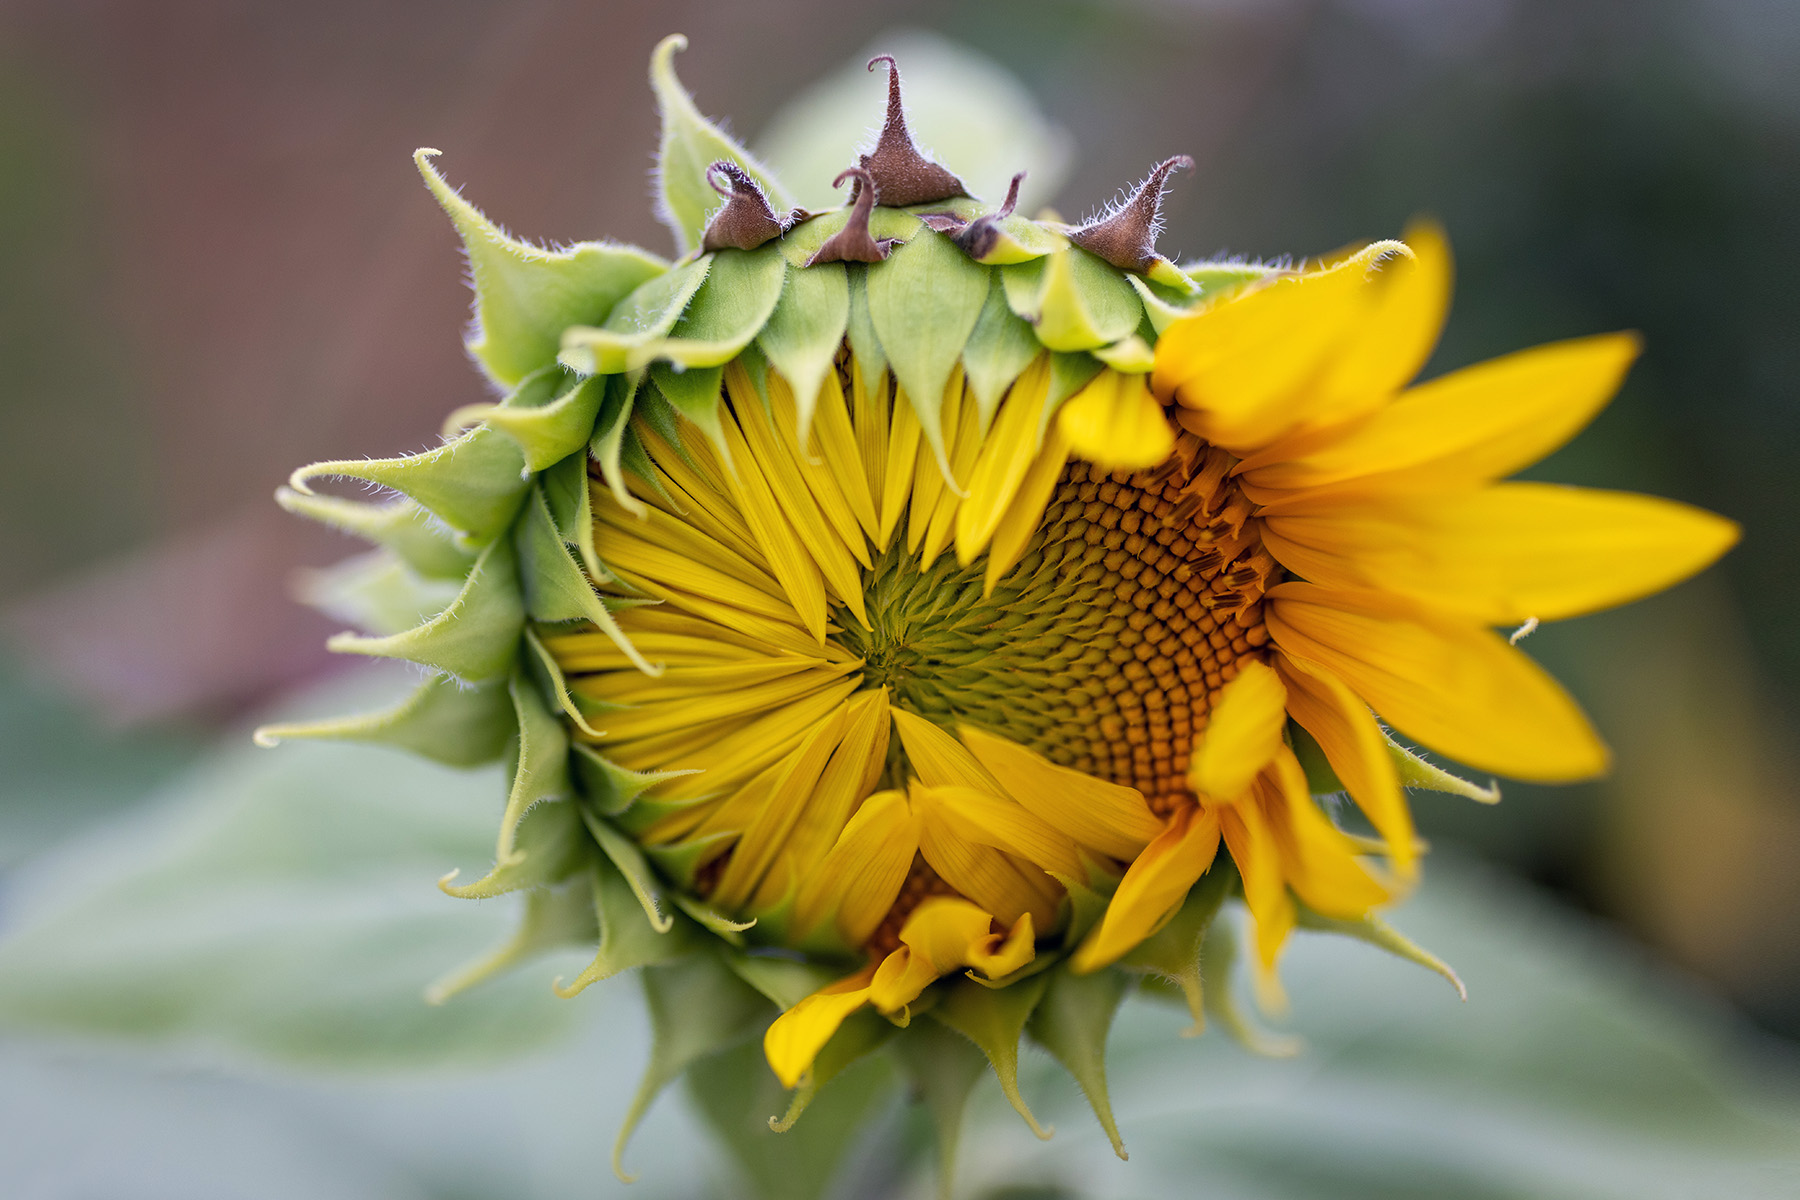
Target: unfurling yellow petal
939, 759
1116, 422
1356, 749
863, 872
1319, 860
942, 935
1106, 816
1241, 735
1011, 447
1155, 885
1389, 346
1257, 857
999, 822
1465, 428
1456, 688
797, 1035
1502, 554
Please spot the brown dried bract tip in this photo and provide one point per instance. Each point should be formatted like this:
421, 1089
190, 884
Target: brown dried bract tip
902, 175
746, 221
1126, 237
976, 238
853, 243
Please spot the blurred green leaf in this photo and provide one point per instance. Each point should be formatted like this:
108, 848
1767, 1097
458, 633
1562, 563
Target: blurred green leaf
279, 902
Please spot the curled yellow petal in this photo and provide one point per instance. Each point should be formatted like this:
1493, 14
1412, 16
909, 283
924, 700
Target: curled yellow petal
1106, 816
1116, 422
795, 1038
1157, 881
1241, 735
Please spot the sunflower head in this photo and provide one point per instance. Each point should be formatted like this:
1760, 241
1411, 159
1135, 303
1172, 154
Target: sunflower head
910, 626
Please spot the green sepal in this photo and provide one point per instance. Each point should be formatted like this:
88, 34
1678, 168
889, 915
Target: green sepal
376, 593
698, 1007
924, 301
572, 512
865, 344
525, 296
1214, 279
785, 981
473, 482
548, 673
862, 1033
1416, 772
1173, 953
625, 855
944, 1068
556, 588
550, 432
421, 541
1218, 960
1020, 240
994, 1020
1162, 271
690, 145
679, 863
637, 321
1130, 355
999, 347
736, 1091
610, 788
1085, 907
1073, 300
726, 313
712, 920
803, 334
1382, 936
1072, 1022
628, 940
540, 829
475, 638
607, 446
698, 395
441, 720
553, 918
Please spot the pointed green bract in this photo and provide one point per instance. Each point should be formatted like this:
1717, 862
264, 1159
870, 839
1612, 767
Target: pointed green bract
553, 918
690, 145
635, 322
861, 1034
944, 1067
610, 788
551, 432
607, 447
725, 314
572, 512
1073, 300
556, 589
805, 331
696, 395
525, 296
924, 302
1173, 952
994, 1019
473, 482
1380, 934
421, 541
1072, 1022
545, 670
441, 720
475, 638
1218, 958
1415, 771
627, 938
697, 1008
375, 592
1000, 347
865, 345
628, 860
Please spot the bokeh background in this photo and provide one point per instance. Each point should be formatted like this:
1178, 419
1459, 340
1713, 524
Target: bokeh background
217, 262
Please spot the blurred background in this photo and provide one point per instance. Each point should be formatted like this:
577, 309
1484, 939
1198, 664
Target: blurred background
217, 263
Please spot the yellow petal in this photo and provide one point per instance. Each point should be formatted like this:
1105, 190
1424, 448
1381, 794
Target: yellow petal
862, 875
940, 760
1454, 687
991, 878
1354, 745
1021, 518
1111, 819
1006, 456
797, 1035
1241, 735
944, 934
1116, 422
1002, 823
1505, 553
1157, 881
1476, 424
1319, 860
1243, 366
1257, 856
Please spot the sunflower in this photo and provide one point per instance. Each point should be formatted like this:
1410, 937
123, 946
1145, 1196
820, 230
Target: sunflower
918, 617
